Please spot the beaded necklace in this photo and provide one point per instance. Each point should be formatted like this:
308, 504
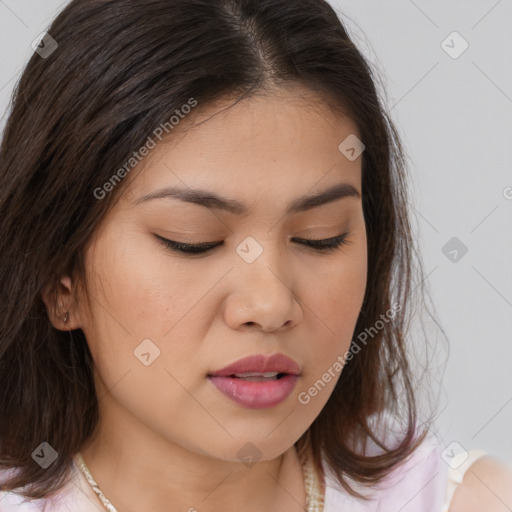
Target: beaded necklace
312, 483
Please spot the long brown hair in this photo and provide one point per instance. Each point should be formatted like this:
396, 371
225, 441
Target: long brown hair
120, 70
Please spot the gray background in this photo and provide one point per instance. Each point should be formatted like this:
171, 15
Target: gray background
454, 116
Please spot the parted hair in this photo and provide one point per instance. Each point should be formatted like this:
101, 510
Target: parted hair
121, 69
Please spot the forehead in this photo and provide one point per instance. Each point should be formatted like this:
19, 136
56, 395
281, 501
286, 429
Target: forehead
275, 147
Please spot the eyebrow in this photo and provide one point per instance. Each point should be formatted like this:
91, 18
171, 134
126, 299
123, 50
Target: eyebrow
211, 200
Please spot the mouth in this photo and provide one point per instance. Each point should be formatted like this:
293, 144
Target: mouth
257, 382
256, 392
260, 365
258, 377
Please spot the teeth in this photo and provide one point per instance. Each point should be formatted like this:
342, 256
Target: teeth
256, 374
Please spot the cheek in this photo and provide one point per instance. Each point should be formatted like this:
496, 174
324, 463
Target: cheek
337, 306
138, 288
139, 293
135, 297
337, 294
335, 301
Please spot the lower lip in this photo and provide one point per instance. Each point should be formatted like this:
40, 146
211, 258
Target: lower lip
254, 394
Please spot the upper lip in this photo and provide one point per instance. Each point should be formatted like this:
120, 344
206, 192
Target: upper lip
260, 363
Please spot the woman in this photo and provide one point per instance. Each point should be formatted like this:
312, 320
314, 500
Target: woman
206, 264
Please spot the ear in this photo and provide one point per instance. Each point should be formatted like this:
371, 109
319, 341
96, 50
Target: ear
62, 302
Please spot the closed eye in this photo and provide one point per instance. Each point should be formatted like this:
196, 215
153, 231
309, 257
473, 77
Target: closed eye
323, 245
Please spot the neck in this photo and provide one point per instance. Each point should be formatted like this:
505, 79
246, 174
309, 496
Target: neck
136, 469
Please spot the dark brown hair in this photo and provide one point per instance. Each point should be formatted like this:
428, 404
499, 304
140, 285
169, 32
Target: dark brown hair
121, 69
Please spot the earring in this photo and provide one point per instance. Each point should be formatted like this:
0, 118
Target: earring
66, 316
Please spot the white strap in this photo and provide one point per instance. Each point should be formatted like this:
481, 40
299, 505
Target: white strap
461, 462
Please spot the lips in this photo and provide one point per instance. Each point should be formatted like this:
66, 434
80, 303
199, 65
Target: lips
257, 382
258, 365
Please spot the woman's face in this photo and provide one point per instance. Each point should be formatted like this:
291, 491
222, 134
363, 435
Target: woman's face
161, 322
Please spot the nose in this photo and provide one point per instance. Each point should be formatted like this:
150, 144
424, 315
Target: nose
262, 297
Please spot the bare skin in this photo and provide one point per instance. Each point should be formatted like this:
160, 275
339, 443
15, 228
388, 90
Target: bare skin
168, 440
487, 485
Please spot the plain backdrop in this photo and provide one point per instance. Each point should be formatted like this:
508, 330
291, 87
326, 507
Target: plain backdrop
453, 109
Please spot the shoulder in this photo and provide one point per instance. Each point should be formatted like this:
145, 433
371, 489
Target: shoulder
418, 484
487, 485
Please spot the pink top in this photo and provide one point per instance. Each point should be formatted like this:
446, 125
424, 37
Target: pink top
420, 484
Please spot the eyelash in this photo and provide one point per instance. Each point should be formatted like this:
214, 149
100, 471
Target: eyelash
325, 245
